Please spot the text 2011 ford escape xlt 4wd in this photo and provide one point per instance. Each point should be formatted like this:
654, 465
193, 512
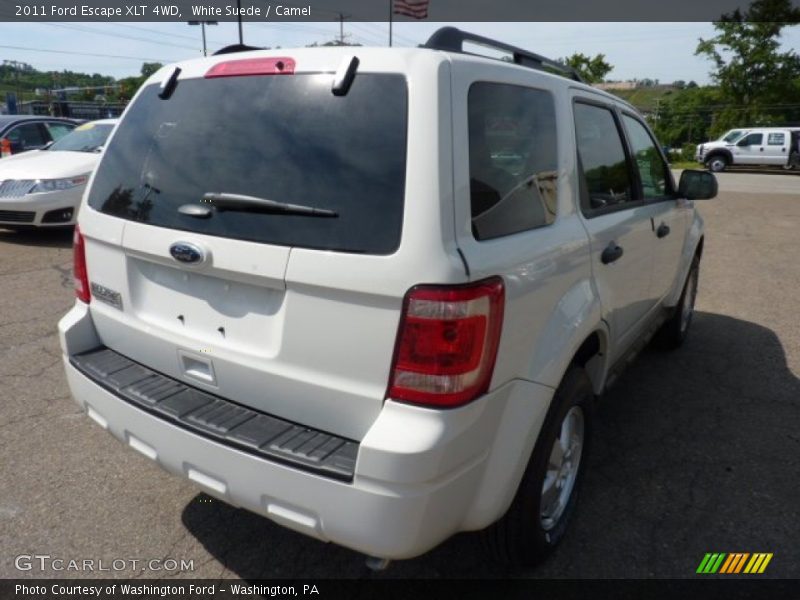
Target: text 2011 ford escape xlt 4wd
372, 296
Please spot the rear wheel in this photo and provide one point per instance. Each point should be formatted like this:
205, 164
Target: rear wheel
794, 161
717, 163
545, 500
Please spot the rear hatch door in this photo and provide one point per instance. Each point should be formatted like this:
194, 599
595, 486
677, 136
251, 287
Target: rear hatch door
202, 284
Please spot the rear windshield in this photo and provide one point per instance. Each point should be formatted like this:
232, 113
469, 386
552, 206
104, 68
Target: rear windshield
285, 138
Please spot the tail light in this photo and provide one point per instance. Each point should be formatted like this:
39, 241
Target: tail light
447, 343
79, 272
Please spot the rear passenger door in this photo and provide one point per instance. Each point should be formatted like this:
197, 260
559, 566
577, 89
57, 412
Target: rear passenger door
617, 219
777, 148
669, 220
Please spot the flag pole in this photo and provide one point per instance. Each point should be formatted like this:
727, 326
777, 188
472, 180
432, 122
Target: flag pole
390, 23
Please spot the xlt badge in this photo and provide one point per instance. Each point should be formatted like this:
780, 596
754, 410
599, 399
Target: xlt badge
106, 295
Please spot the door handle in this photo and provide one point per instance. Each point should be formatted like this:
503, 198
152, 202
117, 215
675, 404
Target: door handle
761, 149
663, 230
611, 253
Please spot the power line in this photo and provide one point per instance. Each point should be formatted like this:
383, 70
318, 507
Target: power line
117, 35
170, 35
384, 32
120, 56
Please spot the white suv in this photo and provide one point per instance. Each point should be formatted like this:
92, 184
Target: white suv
372, 297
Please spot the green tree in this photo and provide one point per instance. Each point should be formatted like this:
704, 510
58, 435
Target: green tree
592, 69
686, 117
130, 85
751, 71
149, 68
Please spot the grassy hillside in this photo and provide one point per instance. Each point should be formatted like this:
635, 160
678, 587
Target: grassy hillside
647, 98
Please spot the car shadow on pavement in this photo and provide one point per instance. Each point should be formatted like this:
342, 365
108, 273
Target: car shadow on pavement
694, 451
45, 237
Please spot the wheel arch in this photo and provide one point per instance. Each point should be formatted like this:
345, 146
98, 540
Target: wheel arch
693, 248
592, 356
726, 154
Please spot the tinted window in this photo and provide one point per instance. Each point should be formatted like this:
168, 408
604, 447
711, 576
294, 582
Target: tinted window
86, 138
59, 130
283, 138
602, 156
775, 139
26, 137
512, 159
754, 139
652, 169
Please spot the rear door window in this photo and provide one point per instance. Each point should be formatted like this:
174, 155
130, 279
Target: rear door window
284, 138
607, 179
512, 159
775, 139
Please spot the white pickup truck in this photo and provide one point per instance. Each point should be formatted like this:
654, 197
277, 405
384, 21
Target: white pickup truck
764, 146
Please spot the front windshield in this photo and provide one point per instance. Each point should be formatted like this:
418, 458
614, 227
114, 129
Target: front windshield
86, 138
733, 135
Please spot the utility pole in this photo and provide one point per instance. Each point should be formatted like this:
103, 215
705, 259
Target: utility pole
203, 27
16, 65
239, 18
342, 17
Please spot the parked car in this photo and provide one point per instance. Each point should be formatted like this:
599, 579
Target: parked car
20, 133
377, 340
43, 188
759, 146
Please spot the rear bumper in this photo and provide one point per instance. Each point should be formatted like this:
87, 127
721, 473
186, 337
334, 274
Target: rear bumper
420, 475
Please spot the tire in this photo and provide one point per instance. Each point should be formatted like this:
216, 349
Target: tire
674, 331
530, 530
717, 163
794, 161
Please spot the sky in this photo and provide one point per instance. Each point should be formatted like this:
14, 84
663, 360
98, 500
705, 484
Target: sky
663, 51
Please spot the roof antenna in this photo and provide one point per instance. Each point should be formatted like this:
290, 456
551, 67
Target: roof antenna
169, 84
345, 75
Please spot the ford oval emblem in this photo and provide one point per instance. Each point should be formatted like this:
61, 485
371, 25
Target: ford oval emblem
187, 253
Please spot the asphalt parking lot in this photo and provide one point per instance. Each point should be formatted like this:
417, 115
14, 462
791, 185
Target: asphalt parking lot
695, 451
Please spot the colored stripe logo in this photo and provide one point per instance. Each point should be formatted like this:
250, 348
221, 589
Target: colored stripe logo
734, 563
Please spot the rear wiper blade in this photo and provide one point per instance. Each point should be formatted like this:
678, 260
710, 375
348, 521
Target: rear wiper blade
239, 202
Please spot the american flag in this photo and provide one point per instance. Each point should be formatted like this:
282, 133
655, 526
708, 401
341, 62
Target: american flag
416, 9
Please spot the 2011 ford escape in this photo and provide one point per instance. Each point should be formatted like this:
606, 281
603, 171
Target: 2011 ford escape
372, 297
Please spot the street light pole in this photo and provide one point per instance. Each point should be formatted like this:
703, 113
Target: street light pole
203, 27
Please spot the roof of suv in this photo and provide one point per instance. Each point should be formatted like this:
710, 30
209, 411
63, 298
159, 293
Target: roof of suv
311, 59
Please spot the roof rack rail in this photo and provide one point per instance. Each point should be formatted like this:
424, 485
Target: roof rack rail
451, 39
236, 48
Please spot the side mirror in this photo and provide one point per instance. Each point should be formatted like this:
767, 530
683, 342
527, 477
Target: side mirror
697, 185
743, 143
